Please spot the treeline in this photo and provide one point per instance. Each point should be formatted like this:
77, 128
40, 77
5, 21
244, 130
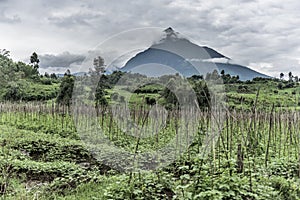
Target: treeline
23, 82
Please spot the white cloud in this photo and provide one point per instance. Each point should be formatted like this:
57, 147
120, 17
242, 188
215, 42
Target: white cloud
262, 31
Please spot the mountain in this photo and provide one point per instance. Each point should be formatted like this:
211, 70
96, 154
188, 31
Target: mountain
174, 53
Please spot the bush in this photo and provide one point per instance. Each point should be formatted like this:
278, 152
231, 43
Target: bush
150, 101
114, 96
280, 86
46, 81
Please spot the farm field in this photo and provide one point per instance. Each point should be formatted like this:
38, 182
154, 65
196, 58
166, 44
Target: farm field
149, 100
256, 156
51, 147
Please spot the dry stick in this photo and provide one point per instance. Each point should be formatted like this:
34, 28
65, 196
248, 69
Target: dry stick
240, 159
222, 139
280, 132
253, 115
227, 132
231, 136
295, 127
284, 121
139, 138
298, 151
275, 133
269, 137
290, 134
293, 135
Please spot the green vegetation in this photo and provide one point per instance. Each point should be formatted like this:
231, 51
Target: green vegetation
242, 95
22, 82
44, 153
256, 157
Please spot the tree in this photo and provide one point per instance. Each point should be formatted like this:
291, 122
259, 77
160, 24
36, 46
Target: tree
290, 76
168, 94
4, 53
103, 83
212, 76
34, 61
67, 73
27, 70
150, 101
202, 93
99, 65
53, 76
100, 93
281, 75
66, 89
14, 91
47, 75
222, 72
196, 77
215, 75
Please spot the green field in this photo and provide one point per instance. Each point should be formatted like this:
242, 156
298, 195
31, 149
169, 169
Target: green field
255, 157
49, 148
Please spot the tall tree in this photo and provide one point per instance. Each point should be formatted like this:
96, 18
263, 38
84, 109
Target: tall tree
66, 89
34, 60
99, 66
281, 75
102, 84
290, 76
100, 93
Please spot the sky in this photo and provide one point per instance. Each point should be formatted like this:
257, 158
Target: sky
261, 34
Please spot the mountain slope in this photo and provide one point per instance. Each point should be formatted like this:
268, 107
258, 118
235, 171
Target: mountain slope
175, 54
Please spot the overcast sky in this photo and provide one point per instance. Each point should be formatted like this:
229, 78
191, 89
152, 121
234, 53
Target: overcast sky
263, 35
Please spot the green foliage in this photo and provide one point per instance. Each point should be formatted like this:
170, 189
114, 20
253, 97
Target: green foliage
141, 186
289, 189
100, 92
66, 89
20, 81
228, 79
34, 60
169, 94
149, 89
202, 94
150, 101
14, 91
